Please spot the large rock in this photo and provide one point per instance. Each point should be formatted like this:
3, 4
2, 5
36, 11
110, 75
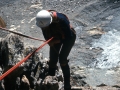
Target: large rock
32, 74
50, 83
12, 51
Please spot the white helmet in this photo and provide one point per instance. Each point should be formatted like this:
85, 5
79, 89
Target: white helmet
43, 18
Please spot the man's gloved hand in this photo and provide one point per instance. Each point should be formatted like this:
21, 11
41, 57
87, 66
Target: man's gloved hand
54, 41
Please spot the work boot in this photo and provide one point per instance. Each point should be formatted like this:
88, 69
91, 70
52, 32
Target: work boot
51, 71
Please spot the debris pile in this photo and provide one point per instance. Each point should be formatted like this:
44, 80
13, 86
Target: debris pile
31, 74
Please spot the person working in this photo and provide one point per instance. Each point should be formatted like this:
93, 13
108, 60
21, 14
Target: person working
57, 25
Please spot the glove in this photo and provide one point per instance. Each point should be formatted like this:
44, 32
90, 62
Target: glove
54, 41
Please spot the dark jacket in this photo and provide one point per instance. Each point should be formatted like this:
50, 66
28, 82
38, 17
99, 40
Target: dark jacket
60, 30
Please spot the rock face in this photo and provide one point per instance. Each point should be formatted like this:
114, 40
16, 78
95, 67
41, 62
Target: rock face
11, 52
30, 74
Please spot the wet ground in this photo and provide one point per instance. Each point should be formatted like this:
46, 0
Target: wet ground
90, 18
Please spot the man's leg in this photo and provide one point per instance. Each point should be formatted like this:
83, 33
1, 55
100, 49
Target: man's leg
54, 52
66, 74
65, 50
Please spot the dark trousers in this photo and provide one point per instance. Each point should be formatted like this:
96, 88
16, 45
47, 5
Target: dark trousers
61, 51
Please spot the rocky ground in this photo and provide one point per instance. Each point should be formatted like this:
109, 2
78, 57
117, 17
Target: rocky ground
90, 18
